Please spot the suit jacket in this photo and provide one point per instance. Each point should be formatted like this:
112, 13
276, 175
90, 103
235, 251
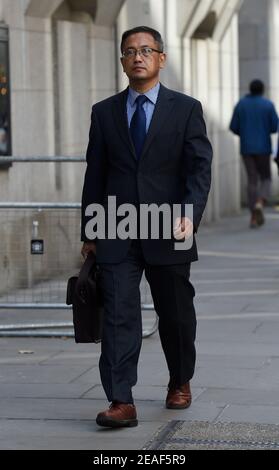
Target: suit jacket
174, 167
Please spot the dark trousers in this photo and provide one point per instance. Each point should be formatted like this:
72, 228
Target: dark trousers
172, 295
258, 171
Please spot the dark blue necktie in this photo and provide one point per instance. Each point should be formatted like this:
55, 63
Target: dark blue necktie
138, 125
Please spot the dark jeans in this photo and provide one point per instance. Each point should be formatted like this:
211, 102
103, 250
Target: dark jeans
258, 171
172, 294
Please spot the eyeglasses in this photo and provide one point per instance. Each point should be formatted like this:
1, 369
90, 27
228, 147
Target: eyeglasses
143, 51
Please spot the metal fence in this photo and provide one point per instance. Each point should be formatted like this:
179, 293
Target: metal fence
40, 250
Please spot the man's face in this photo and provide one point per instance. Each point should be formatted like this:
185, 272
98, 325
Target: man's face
138, 67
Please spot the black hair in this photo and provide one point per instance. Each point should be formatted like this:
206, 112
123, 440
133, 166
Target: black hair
257, 87
143, 29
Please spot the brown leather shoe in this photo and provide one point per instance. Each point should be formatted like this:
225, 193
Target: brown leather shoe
118, 415
179, 398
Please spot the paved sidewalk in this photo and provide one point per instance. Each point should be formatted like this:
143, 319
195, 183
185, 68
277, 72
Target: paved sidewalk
49, 398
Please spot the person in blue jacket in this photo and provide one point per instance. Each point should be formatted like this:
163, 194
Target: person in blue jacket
254, 120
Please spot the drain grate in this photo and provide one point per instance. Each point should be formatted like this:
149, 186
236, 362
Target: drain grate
202, 435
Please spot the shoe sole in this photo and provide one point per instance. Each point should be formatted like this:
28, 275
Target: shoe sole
110, 423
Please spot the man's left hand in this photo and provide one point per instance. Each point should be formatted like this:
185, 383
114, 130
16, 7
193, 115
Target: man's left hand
183, 228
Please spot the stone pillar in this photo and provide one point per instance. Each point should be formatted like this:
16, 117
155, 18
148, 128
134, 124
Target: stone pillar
210, 73
254, 43
102, 63
273, 24
73, 79
228, 154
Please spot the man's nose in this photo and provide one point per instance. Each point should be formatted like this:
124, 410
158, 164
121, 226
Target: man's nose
138, 57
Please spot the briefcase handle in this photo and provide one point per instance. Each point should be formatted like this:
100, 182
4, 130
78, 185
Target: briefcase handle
86, 268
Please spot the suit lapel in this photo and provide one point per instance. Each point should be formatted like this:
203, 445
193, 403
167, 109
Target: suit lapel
164, 104
121, 120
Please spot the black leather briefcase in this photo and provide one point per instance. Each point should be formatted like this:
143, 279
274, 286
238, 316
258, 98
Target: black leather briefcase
85, 296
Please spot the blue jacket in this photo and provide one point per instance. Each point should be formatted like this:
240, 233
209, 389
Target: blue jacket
254, 119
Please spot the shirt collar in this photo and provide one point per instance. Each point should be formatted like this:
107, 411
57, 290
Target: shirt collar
151, 94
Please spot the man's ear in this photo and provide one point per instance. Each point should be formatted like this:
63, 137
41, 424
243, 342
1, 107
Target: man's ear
162, 59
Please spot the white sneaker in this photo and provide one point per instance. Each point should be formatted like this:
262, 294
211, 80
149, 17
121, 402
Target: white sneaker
258, 213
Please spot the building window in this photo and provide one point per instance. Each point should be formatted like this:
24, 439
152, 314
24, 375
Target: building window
5, 115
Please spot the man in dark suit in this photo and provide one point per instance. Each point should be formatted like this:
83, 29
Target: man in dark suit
147, 144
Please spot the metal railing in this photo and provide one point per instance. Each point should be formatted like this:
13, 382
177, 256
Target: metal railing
54, 328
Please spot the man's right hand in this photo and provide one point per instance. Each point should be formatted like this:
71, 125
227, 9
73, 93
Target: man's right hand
87, 247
